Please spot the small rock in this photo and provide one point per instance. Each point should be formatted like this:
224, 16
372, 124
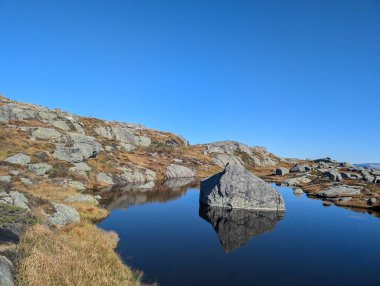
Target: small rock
77, 185
6, 277
40, 169
178, 171
14, 172
20, 159
43, 155
5, 179
104, 178
334, 175
80, 167
300, 168
61, 125
298, 191
26, 181
14, 198
297, 181
340, 191
127, 147
46, 133
372, 201
64, 214
281, 171
87, 199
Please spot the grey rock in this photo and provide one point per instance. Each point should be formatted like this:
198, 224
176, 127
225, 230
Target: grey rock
300, 168
223, 159
14, 172
63, 215
80, 167
123, 134
346, 165
127, 147
340, 191
46, 133
83, 147
43, 155
178, 171
224, 152
333, 175
136, 175
236, 187
78, 127
281, 171
235, 227
77, 185
298, 192
61, 124
40, 169
6, 179
69, 154
104, 178
26, 181
6, 268
297, 181
14, 198
20, 159
372, 201
367, 177
87, 199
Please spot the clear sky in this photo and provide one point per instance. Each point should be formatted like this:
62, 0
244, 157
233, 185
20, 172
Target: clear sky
299, 77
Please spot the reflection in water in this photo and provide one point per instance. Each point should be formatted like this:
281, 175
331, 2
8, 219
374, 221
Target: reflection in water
121, 197
235, 227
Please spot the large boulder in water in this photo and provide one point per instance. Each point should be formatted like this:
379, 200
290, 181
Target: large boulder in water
235, 187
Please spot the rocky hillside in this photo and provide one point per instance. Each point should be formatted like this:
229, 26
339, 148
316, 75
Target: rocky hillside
48, 157
72, 151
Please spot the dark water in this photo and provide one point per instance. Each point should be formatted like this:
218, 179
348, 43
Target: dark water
164, 233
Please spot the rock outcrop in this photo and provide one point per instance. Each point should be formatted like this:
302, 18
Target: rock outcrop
340, 191
63, 215
174, 171
236, 187
226, 152
20, 159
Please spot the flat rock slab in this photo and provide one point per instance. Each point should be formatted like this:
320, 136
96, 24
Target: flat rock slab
236, 187
340, 191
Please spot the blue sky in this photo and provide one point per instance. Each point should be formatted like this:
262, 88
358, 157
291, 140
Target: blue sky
299, 77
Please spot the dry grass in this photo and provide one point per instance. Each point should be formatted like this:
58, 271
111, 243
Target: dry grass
13, 141
89, 212
80, 255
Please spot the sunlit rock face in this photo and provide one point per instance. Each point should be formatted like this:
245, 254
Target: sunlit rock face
235, 227
237, 188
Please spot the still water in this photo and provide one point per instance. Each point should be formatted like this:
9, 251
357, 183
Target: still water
166, 234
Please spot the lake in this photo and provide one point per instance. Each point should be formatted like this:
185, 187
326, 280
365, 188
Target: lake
166, 234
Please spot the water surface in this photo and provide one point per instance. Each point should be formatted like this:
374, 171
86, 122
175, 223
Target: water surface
166, 234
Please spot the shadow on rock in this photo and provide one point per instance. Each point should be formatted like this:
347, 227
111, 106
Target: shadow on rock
235, 227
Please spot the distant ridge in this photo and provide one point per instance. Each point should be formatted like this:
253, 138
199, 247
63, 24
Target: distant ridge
375, 166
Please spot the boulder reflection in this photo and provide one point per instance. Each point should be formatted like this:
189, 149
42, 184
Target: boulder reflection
235, 227
121, 197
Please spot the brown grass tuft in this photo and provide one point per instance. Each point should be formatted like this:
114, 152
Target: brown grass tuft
78, 255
